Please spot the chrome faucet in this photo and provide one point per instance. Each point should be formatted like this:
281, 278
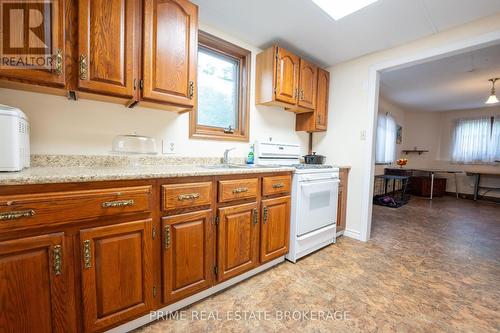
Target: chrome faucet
225, 159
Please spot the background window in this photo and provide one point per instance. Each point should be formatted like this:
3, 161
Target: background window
476, 140
386, 139
223, 90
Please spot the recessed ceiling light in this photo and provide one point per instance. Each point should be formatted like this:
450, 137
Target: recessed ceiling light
338, 9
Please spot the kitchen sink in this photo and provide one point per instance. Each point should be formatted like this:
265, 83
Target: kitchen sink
235, 166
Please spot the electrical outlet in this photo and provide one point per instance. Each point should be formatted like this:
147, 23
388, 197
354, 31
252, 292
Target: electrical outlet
168, 147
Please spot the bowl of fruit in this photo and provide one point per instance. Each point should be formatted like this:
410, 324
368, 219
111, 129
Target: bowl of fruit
402, 162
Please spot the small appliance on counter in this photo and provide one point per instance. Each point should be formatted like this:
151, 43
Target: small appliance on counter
14, 139
134, 144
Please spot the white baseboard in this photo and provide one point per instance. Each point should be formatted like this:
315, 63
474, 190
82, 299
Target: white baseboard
136, 323
352, 234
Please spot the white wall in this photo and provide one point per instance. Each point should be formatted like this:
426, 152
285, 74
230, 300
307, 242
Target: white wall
350, 113
60, 126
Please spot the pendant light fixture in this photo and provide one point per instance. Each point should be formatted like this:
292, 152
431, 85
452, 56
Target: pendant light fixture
493, 98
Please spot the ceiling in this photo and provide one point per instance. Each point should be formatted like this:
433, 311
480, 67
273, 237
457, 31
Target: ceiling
306, 30
452, 83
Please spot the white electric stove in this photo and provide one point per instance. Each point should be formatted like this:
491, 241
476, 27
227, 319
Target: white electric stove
314, 198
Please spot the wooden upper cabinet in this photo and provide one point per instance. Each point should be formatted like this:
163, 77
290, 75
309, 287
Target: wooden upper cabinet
47, 44
34, 292
307, 85
170, 47
187, 263
108, 56
275, 228
287, 76
238, 240
318, 120
116, 273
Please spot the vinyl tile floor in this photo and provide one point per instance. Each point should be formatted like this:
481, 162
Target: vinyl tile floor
429, 267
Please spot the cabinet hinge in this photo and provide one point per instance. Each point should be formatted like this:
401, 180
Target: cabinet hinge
154, 291
153, 233
141, 84
216, 221
216, 270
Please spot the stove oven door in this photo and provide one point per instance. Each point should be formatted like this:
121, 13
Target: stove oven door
317, 204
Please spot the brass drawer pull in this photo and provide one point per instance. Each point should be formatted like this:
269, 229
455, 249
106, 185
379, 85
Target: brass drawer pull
240, 190
265, 214
255, 216
190, 196
57, 257
58, 62
87, 257
167, 237
118, 203
278, 185
16, 215
83, 67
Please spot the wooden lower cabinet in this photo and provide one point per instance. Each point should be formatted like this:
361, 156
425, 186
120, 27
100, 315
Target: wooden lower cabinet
187, 263
237, 240
34, 295
342, 203
275, 228
116, 264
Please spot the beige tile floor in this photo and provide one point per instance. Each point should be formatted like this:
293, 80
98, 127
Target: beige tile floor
429, 267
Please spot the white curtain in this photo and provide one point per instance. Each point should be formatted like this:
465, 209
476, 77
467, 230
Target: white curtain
472, 141
494, 146
386, 139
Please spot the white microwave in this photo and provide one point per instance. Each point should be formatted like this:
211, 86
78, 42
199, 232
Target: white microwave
14, 139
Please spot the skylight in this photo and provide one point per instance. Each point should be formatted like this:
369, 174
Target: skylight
338, 9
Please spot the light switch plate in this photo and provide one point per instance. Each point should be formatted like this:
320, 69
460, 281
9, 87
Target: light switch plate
363, 135
168, 147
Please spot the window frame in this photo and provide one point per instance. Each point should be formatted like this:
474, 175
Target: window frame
243, 56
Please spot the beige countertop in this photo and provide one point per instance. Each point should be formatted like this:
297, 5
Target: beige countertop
70, 174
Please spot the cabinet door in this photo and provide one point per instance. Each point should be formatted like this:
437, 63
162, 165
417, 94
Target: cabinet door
287, 76
116, 273
170, 51
34, 293
107, 46
187, 254
43, 46
307, 84
238, 240
323, 92
275, 229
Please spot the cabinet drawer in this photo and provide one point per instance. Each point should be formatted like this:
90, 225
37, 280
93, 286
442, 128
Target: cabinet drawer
43, 208
237, 189
175, 196
276, 185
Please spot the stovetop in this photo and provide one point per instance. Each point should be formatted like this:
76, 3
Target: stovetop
303, 166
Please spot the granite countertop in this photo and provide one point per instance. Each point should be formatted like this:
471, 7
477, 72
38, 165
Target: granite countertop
69, 174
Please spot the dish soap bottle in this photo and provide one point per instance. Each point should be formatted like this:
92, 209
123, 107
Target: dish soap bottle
250, 157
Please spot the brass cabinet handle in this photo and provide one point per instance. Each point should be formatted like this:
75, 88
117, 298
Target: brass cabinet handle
118, 203
302, 95
16, 215
83, 67
264, 213
58, 62
191, 89
278, 185
167, 237
190, 196
240, 190
296, 93
87, 257
57, 258
255, 213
